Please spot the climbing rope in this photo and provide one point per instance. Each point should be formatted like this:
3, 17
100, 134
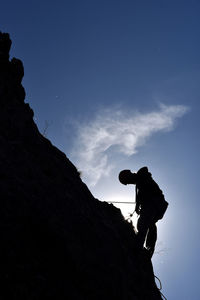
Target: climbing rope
123, 202
163, 296
160, 287
159, 283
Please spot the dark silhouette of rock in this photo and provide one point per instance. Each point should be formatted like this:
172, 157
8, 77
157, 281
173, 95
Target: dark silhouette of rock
57, 240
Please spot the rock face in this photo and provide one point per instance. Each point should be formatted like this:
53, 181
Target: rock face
57, 240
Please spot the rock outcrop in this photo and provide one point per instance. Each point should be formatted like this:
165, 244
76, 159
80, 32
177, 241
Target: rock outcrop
57, 240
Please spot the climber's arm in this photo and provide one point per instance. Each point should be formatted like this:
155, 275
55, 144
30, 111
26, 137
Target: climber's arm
137, 206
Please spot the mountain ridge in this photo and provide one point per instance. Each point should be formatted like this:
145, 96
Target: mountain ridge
58, 241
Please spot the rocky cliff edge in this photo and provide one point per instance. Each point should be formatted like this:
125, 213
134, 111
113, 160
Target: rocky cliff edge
57, 240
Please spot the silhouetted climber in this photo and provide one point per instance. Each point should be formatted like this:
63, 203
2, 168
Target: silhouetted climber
150, 205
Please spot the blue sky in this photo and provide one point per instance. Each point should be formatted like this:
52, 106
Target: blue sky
118, 84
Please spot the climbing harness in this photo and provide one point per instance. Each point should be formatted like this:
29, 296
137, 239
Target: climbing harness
130, 215
160, 287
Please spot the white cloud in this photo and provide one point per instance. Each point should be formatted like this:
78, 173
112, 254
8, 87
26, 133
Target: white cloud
126, 131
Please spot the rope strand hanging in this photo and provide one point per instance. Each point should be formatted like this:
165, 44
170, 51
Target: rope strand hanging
160, 287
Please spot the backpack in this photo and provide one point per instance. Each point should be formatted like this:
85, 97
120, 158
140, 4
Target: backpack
162, 205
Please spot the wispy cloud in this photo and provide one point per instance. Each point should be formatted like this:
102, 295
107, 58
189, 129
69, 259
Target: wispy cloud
122, 131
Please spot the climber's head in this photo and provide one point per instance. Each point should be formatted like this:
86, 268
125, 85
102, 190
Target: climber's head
127, 177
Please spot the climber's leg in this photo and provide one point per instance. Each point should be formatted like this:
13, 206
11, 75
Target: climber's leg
142, 227
151, 238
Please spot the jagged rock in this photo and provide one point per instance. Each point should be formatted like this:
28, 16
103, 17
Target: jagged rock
57, 240
5, 44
